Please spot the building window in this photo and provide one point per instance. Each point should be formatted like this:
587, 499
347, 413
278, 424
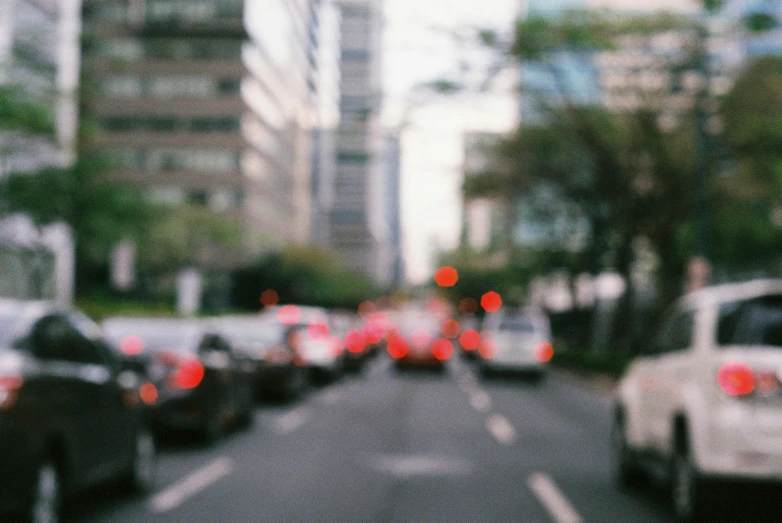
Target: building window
352, 157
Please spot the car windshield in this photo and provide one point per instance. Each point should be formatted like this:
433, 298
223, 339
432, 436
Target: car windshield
518, 325
754, 323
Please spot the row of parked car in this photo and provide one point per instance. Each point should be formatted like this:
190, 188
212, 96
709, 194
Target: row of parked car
82, 403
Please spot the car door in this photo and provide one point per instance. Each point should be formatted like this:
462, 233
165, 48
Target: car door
217, 365
118, 406
75, 392
670, 374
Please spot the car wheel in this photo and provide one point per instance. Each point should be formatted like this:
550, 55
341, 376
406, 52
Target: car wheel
47, 495
689, 492
625, 469
142, 473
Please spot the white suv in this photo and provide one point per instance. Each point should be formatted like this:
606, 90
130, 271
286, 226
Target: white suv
705, 403
516, 341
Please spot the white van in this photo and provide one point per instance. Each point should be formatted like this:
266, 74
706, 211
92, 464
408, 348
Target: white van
516, 340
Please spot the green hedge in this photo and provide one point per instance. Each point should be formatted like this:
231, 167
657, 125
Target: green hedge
590, 362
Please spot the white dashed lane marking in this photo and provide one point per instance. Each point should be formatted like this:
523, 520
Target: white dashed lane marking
501, 429
290, 422
480, 401
552, 499
188, 487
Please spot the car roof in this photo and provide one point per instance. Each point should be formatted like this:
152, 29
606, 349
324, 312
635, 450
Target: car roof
731, 292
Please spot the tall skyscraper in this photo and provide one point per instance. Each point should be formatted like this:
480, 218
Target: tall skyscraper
358, 230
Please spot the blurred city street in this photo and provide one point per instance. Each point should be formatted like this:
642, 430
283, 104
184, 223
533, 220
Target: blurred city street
393, 447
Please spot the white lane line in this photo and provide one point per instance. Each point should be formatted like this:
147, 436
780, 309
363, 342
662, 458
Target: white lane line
291, 421
480, 401
197, 481
552, 499
331, 397
501, 429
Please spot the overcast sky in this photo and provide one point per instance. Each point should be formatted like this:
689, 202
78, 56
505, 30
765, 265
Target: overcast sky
418, 48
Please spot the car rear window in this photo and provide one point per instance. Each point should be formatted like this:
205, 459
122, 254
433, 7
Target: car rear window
755, 322
517, 325
155, 337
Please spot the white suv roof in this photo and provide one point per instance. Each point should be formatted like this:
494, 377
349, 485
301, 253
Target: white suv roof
734, 292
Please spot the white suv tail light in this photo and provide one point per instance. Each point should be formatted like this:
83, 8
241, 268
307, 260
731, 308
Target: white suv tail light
739, 380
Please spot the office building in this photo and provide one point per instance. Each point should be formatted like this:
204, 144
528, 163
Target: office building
208, 103
358, 231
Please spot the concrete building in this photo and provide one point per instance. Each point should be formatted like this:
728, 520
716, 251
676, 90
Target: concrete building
326, 26
358, 231
208, 102
392, 156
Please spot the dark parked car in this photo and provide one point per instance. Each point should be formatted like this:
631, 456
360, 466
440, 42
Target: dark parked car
202, 383
70, 417
280, 370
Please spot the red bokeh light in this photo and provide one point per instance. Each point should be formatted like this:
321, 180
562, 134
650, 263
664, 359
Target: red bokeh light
318, 331
397, 347
270, 298
289, 314
468, 306
491, 302
736, 379
148, 393
470, 339
442, 349
487, 349
446, 276
366, 308
355, 342
337, 346
132, 346
190, 374
544, 351
451, 329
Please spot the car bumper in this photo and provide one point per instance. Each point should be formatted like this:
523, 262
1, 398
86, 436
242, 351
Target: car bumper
276, 379
513, 365
742, 443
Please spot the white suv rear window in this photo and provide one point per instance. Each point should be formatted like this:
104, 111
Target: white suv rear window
756, 322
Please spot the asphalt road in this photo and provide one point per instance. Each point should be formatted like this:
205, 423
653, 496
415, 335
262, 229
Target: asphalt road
385, 446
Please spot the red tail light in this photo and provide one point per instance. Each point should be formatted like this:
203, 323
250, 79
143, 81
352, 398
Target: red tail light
189, 374
442, 349
148, 393
470, 340
736, 379
544, 351
487, 349
355, 342
132, 346
10, 385
397, 347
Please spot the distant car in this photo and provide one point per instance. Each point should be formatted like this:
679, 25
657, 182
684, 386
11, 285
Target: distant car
705, 403
321, 350
279, 370
515, 341
201, 382
419, 343
70, 417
